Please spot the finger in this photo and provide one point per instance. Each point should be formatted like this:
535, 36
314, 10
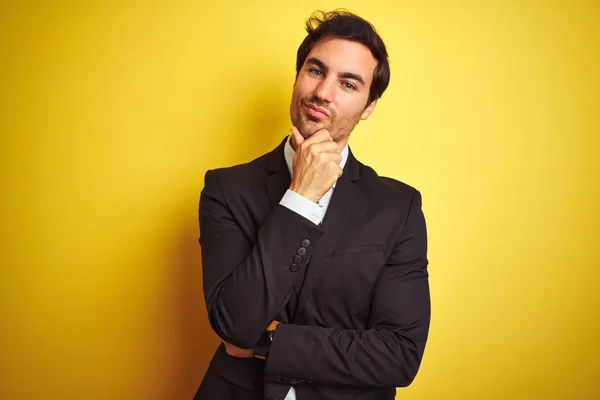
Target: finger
322, 135
339, 171
324, 147
336, 174
297, 138
338, 158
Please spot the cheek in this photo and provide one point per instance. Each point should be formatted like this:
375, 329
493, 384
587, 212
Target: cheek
349, 109
304, 86
297, 95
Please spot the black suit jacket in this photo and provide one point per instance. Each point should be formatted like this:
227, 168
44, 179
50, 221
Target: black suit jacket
354, 321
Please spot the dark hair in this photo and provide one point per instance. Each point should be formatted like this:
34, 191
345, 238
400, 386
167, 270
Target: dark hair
343, 24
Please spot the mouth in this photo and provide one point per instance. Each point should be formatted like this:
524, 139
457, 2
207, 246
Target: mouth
316, 111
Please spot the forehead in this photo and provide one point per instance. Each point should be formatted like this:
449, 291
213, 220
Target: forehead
341, 55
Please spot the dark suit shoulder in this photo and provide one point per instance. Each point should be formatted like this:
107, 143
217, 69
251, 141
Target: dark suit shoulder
247, 180
243, 172
386, 187
242, 181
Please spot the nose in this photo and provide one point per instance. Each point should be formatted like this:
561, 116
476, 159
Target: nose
325, 90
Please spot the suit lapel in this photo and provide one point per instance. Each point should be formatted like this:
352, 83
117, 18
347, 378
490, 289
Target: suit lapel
278, 177
342, 202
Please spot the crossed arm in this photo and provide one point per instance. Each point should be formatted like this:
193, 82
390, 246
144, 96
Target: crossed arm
246, 284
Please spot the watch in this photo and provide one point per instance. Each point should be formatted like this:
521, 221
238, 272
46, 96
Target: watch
262, 348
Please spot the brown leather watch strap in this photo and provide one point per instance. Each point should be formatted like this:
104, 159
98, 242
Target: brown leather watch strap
269, 331
272, 325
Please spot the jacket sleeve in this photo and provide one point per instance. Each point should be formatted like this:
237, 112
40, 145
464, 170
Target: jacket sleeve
389, 351
247, 283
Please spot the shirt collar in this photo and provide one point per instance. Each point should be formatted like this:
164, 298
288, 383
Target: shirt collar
289, 152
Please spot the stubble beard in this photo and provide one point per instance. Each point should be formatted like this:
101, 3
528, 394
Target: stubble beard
308, 125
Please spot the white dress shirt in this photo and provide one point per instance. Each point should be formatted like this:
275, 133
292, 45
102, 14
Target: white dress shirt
315, 212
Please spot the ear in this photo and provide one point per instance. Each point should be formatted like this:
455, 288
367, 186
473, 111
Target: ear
367, 111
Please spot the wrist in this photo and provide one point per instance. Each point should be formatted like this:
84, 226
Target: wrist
263, 347
304, 193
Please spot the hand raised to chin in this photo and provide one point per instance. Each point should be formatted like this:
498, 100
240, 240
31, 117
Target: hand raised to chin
316, 164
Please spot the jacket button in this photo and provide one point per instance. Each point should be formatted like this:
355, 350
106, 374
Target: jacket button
297, 259
301, 251
293, 268
305, 243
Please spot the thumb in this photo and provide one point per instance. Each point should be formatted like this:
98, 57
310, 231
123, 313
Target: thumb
297, 138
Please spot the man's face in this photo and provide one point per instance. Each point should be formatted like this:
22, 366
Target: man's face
332, 88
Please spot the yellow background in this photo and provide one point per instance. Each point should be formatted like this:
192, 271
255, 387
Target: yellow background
111, 112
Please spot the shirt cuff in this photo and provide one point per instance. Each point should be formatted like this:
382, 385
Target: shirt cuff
303, 206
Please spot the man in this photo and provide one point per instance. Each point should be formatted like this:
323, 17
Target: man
315, 268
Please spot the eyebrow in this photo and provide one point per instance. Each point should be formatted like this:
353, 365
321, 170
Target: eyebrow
347, 75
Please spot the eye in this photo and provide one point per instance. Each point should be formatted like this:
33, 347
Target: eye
348, 85
315, 72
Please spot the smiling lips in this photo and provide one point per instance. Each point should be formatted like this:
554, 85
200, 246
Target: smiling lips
316, 111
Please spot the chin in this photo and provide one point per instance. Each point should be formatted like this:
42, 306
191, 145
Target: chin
309, 128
